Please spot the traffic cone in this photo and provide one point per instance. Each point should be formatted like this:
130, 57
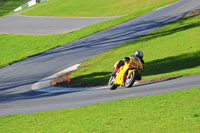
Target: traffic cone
170, 1
68, 82
68, 79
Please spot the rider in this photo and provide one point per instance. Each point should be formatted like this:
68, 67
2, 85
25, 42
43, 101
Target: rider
138, 57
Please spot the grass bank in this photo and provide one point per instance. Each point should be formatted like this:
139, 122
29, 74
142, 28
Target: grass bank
173, 50
173, 112
18, 47
89, 8
7, 6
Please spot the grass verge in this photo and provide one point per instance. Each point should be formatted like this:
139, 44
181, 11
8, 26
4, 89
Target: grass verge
89, 8
18, 47
173, 112
172, 50
7, 6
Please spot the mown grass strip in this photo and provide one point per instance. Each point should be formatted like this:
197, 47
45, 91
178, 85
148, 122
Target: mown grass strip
89, 8
173, 112
170, 51
7, 6
18, 47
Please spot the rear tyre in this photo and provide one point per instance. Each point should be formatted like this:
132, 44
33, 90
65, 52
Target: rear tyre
130, 81
111, 83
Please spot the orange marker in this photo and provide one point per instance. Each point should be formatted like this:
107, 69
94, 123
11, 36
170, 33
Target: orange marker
170, 1
68, 79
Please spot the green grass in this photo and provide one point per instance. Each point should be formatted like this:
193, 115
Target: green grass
89, 8
7, 6
173, 112
173, 50
18, 47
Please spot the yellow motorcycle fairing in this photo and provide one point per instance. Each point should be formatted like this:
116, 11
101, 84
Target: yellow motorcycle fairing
127, 69
121, 75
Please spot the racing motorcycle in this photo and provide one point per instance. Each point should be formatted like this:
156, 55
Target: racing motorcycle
127, 74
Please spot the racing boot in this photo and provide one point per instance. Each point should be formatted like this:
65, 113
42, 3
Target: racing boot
138, 76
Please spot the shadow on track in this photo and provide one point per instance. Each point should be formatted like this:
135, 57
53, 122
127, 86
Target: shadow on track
116, 36
13, 90
7, 97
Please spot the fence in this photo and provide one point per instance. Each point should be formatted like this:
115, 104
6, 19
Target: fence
28, 4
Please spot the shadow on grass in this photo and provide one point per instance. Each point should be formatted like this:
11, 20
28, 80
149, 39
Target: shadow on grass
181, 26
89, 80
172, 64
166, 65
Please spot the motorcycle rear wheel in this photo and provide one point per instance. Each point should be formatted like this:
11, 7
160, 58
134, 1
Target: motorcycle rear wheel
111, 83
130, 81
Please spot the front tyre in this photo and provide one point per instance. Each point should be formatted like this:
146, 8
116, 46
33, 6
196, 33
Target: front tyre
111, 83
130, 80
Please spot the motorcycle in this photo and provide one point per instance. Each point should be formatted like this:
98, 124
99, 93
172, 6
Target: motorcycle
127, 74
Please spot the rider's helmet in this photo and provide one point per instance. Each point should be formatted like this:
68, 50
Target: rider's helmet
139, 54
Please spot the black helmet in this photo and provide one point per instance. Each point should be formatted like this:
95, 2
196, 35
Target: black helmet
139, 54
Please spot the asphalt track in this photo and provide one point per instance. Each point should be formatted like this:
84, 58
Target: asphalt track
42, 25
16, 95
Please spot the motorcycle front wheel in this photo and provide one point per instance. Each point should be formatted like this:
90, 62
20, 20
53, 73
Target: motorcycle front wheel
111, 83
130, 80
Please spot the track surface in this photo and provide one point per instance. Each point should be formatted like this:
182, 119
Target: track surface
39, 25
16, 95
